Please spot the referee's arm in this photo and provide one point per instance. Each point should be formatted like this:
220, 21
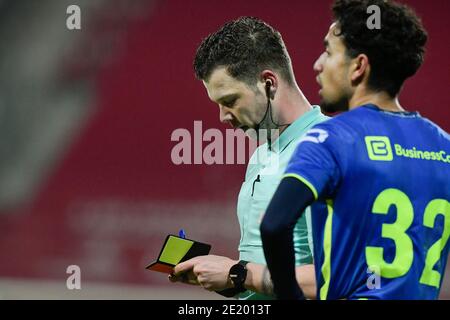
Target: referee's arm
259, 279
286, 207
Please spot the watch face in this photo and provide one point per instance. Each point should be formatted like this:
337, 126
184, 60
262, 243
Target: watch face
238, 273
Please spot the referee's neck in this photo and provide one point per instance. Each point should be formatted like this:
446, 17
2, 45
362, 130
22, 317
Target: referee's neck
291, 106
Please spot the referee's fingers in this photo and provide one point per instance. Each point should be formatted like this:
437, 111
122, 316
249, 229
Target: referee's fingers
184, 266
173, 278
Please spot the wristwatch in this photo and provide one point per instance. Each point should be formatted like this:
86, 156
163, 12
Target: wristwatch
238, 274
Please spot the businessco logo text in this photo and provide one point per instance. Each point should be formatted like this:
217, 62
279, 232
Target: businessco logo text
379, 148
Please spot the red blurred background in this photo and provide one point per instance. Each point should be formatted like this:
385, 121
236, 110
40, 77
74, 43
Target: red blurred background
110, 193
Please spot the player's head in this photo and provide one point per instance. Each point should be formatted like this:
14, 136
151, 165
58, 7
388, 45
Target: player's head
236, 63
378, 60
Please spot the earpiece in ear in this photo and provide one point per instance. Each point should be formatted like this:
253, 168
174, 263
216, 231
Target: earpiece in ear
268, 85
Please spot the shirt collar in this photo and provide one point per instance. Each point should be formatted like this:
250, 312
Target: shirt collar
395, 113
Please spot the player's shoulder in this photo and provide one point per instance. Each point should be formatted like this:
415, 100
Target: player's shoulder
354, 119
434, 128
346, 120
340, 127
367, 118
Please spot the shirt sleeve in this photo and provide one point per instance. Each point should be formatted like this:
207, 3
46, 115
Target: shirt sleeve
302, 240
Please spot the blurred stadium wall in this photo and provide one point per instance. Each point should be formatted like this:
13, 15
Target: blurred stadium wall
86, 117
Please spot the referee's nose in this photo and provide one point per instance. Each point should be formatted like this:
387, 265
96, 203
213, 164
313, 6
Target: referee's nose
224, 114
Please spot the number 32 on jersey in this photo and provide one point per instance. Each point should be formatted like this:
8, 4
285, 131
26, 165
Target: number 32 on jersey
396, 231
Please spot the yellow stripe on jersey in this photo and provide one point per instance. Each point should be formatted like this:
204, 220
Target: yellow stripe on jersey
326, 266
308, 184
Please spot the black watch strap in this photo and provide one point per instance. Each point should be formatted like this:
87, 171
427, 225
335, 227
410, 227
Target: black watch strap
238, 274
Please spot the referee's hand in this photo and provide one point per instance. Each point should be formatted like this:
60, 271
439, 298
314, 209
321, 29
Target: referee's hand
211, 272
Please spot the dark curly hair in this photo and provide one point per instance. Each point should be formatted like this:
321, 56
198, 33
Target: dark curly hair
245, 46
395, 52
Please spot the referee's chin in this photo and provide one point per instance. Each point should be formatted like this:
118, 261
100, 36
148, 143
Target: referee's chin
244, 128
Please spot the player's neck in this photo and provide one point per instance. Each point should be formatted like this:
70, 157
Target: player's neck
381, 99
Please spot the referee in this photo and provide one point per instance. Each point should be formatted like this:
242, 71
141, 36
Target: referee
247, 72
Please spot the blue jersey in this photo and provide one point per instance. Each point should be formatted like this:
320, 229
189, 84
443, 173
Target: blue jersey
381, 222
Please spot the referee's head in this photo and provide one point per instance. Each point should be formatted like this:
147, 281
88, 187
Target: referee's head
245, 46
242, 65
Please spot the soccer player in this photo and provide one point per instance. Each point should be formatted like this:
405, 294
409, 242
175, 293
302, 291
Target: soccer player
247, 71
378, 176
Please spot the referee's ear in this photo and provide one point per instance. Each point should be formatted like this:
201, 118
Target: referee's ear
270, 80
